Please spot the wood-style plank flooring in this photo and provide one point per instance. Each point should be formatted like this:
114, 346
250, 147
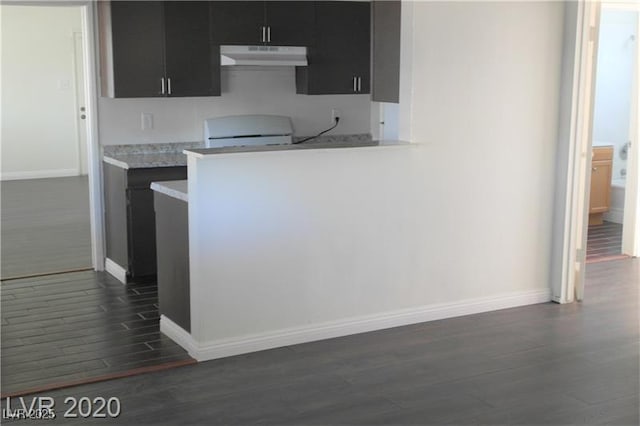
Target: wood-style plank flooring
45, 226
79, 326
543, 364
604, 241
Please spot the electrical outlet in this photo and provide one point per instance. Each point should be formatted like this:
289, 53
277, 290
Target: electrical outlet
146, 121
335, 113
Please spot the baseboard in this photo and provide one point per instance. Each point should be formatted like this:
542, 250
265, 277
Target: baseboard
614, 215
116, 270
179, 335
39, 174
203, 351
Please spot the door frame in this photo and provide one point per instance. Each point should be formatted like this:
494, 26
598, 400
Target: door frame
573, 166
568, 273
94, 163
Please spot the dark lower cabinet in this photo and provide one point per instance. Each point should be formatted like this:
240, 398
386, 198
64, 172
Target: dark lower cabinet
130, 218
339, 58
172, 247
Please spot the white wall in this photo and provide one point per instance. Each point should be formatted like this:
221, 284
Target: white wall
292, 246
486, 84
245, 90
39, 136
616, 56
462, 222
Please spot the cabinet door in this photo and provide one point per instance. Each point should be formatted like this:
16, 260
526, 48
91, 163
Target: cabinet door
142, 232
192, 66
290, 23
339, 60
172, 246
237, 22
385, 47
138, 48
600, 196
115, 213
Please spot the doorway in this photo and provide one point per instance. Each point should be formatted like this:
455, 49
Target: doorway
574, 165
611, 135
45, 191
46, 137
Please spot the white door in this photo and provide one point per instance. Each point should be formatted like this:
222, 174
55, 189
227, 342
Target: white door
81, 123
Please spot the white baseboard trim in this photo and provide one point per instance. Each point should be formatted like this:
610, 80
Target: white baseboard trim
116, 270
179, 335
39, 174
614, 215
203, 351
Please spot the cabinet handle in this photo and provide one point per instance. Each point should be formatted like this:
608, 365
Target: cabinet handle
355, 84
359, 84
594, 169
264, 37
269, 34
169, 85
162, 84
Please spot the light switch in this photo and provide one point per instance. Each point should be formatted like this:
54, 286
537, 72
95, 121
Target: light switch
146, 121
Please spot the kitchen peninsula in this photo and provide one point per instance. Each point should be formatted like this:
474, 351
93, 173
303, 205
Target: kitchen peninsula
298, 243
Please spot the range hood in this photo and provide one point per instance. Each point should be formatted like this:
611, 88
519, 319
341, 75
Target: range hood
263, 55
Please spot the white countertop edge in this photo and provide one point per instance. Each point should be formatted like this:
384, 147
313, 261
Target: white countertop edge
196, 154
172, 188
115, 162
384, 145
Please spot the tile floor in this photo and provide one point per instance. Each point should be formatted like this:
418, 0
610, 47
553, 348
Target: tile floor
604, 241
79, 327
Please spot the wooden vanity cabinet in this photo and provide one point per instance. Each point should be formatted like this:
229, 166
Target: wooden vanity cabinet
600, 194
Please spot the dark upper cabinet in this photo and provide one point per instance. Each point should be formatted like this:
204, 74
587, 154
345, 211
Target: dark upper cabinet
192, 63
158, 49
385, 71
237, 22
290, 23
283, 23
138, 48
339, 59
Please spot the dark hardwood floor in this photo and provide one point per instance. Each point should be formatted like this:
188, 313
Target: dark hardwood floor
543, 364
78, 327
604, 241
45, 226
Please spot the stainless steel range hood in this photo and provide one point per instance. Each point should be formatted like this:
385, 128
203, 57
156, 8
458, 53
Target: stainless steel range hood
263, 55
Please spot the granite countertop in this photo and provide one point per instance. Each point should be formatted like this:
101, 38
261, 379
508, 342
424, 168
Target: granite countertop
199, 152
146, 160
173, 188
140, 156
